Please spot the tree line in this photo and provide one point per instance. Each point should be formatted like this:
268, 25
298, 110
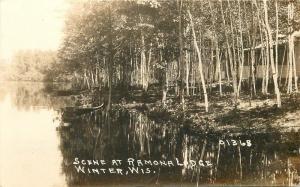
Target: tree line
33, 65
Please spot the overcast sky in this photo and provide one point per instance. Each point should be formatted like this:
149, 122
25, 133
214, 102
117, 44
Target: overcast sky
30, 24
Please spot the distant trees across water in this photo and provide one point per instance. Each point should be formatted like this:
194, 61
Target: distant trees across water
33, 65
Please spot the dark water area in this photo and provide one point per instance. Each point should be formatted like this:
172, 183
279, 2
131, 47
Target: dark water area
41, 148
267, 158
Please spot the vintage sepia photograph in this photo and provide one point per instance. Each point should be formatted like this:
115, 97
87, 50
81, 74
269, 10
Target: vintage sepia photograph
149, 93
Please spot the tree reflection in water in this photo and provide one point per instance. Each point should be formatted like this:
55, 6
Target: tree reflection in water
30, 96
273, 158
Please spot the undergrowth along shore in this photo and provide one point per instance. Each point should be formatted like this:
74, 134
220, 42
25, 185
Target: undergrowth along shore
259, 114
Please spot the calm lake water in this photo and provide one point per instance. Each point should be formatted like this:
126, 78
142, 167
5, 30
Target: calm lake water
39, 146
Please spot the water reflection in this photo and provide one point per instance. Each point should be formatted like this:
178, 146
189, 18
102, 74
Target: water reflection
272, 159
39, 151
28, 138
33, 96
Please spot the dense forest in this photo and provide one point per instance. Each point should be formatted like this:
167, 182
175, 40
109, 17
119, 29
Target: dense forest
183, 48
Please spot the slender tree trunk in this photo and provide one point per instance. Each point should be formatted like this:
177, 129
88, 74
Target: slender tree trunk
276, 42
92, 78
268, 52
215, 40
187, 73
165, 79
211, 72
86, 79
295, 71
165, 88
253, 70
143, 63
292, 62
241, 48
231, 62
226, 67
200, 61
252, 50
240, 163
148, 67
219, 68
276, 89
234, 63
181, 58
110, 60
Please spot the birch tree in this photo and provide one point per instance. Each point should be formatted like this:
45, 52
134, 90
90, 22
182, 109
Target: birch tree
199, 61
274, 72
